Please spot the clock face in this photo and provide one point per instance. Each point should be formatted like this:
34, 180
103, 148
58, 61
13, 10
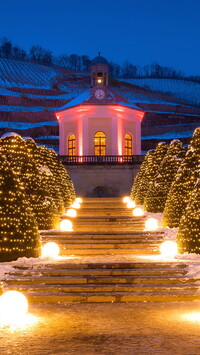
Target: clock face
99, 94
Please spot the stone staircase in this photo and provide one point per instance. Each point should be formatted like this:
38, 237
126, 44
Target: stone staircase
104, 262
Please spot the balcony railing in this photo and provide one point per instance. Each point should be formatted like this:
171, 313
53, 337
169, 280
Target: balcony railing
106, 159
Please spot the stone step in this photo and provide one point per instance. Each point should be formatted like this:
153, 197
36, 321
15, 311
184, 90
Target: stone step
98, 279
103, 288
99, 272
106, 297
99, 234
62, 264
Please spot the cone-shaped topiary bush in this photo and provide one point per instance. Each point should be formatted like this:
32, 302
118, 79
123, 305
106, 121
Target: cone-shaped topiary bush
38, 191
183, 184
152, 167
63, 179
19, 231
157, 193
140, 174
188, 237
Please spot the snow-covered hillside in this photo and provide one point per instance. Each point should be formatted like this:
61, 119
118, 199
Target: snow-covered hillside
181, 89
25, 74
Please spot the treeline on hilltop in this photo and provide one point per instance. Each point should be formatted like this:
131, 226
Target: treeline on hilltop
81, 63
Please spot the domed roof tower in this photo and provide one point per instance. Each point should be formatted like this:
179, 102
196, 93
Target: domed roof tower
99, 69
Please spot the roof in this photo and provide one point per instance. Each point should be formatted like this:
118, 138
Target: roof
99, 60
88, 98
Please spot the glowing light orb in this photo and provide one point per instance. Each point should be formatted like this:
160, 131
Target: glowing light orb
126, 199
151, 224
130, 204
138, 212
79, 200
66, 225
71, 213
50, 249
76, 205
13, 304
168, 249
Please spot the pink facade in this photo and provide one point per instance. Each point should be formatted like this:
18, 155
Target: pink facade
114, 120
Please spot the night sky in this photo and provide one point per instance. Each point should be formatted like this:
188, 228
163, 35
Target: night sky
142, 31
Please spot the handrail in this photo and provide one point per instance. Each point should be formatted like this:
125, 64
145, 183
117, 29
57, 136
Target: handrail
104, 159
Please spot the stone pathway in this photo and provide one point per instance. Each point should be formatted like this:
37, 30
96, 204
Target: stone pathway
107, 266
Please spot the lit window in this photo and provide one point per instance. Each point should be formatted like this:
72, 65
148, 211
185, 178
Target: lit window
128, 144
71, 145
100, 143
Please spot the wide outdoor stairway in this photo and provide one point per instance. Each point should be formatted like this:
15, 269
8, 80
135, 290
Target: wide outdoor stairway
109, 257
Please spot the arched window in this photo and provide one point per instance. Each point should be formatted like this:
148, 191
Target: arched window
99, 143
128, 144
71, 145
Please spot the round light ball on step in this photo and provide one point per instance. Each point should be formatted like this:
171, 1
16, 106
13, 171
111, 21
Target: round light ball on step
138, 212
50, 249
151, 224
168, 249
66, 225
79, 200
71, 212
76, 205
130, 204
13, 304
126, 199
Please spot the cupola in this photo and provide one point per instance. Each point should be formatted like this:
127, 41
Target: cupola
99, 71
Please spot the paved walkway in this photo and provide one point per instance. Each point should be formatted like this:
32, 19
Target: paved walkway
106, 329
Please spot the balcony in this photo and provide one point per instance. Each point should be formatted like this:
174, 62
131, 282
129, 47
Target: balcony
98, 160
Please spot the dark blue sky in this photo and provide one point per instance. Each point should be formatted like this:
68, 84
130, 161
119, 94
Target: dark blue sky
142, 31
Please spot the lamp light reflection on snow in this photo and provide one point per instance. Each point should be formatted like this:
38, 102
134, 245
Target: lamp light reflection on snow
151, 224
126, 199
13, 305
71, 212
76, 205
138, 212
192, 317
130, 204
79, 200
66, 225
50, 249
168, 249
